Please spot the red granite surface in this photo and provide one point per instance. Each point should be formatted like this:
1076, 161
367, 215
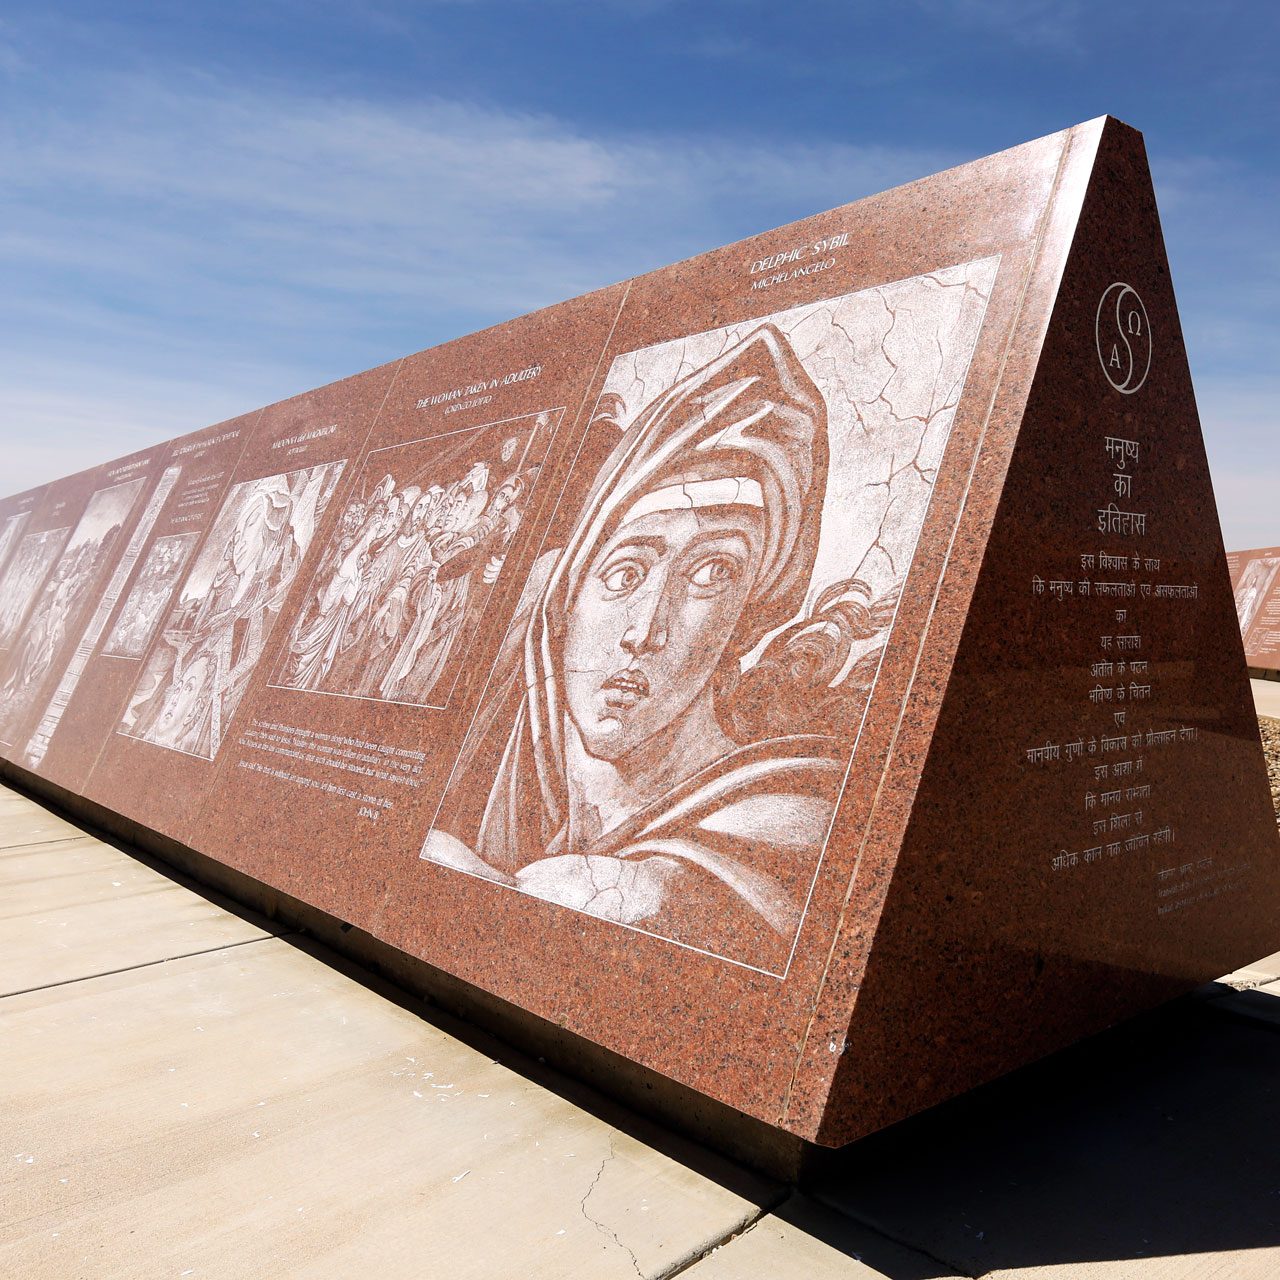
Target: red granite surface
90, 519
1255, 580
1040, 895
173, 519
364, 744
192, 691
671, 662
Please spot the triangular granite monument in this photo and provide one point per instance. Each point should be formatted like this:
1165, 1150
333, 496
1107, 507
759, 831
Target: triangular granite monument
809, 671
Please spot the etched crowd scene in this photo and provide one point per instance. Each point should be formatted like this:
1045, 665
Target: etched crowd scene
143, 610
411, 566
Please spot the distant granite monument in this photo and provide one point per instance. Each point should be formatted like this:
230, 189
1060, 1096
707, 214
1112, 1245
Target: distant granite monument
809, 671
1255, 579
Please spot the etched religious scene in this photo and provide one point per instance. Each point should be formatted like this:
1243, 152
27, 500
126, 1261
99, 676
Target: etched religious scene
392, 607
9, 531
64, 595
137, 621
201, 664
669, 725
23, 576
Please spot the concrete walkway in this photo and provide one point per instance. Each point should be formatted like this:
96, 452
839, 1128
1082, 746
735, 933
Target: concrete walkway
185, 1091
1266, 697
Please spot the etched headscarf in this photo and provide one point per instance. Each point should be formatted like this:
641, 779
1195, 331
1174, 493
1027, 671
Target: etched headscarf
751, 416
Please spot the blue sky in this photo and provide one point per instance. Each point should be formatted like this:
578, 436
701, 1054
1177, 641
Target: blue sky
207, 208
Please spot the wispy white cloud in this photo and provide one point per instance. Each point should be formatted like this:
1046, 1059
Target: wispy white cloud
189, 248
291, 181
178, 248
55, 424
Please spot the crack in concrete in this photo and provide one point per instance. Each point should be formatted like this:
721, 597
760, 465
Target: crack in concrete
600, 1226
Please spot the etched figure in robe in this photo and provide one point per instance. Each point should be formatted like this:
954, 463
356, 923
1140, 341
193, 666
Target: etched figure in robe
494, 532
9, 531
361, 584
145, 607
633, 771
194, 682
24, 576
408, 559
474, 523
44, 632
429, 602
49, 622
327, 621
255, 558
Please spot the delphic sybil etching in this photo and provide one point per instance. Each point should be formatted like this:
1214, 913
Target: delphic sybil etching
65, 594
668, 727
153, 588
1253, 588
200, 667
23, 576
405, 579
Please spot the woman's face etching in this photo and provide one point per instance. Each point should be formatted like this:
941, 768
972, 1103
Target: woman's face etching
183, 703
248, 538
651, 620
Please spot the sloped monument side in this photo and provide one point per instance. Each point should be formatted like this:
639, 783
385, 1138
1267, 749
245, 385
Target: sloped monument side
807, 671
1093, 831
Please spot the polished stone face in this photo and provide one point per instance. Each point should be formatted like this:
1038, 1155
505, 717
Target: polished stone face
808, 670
1255, 579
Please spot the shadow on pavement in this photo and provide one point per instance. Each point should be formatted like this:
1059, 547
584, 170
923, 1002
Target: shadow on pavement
1155, 1139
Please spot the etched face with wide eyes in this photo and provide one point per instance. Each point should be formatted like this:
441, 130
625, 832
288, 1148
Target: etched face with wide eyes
183, 703
651, 620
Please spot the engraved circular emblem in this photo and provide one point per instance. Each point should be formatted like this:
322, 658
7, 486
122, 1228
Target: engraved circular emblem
1123, 335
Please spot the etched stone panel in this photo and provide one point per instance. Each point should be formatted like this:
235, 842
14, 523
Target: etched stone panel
136, 624
697, 658
198, 674
33, 557
1255, 579
404, 581
66, 597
